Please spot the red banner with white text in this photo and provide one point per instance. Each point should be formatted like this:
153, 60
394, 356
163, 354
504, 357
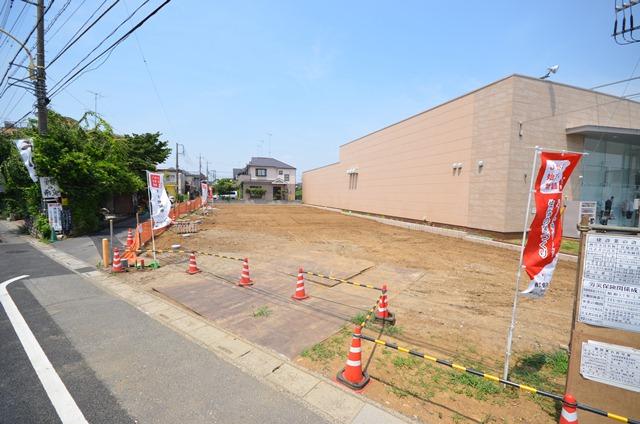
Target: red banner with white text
545, 235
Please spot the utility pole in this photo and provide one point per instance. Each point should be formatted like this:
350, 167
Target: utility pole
41, 85
199, 167
177, 173
208, 171
95, 106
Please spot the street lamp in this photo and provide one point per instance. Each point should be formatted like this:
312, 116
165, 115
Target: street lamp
32, 67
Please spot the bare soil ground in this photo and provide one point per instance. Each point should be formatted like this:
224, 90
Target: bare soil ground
452, 299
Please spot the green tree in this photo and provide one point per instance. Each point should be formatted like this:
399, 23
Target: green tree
88, 163
225, 186
144, 151
19, 197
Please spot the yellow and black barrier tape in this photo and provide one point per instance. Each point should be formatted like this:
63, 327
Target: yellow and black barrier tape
341, 280
497, 379
369, 315
197, 252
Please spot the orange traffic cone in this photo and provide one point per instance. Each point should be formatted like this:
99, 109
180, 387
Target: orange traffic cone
569, 414
193, 268
129, 239
117, 265
300, 294
352, 375
383, 313
244, 276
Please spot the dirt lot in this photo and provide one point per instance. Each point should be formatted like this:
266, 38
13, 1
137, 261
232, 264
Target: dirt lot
452, 299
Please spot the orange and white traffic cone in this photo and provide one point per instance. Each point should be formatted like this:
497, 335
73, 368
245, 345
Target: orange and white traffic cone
352, 374
129, 239
569, 414
193, 267
117, 265
244, 276
300, 294
383, 313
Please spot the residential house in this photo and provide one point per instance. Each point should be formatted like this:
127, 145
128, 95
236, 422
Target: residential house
170, 181
192, 182
268, 179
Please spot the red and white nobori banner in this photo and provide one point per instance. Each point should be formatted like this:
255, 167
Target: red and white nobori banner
541, 251
204, 190
159, 202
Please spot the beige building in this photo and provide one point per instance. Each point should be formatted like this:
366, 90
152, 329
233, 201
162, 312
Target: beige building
267, 179
467, 162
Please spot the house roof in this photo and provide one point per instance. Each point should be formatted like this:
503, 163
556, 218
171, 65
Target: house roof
258, 161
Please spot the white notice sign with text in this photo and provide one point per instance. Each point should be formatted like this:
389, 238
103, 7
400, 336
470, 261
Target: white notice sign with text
610, 294
611, 364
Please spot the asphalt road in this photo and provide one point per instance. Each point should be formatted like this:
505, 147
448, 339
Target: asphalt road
118, 365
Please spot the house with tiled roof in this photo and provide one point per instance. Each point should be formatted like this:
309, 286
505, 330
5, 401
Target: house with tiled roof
267, 179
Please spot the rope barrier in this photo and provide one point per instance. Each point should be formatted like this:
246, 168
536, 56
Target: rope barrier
497, 379
340, 280
192, 251
367, 318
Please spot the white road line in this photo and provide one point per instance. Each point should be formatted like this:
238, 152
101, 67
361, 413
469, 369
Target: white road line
62, 401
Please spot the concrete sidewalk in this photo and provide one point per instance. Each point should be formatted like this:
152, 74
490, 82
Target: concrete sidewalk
320, 394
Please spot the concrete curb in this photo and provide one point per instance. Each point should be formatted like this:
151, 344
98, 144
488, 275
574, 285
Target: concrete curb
320, 394
459, 234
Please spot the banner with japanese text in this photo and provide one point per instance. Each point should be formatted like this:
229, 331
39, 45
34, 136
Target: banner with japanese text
204, 189
159, 203
25, 148
545, 235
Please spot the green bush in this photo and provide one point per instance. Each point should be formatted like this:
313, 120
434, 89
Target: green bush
256, 193
42, 227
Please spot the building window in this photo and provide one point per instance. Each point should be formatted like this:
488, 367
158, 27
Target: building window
280, 171
261, 172
286, 177
353, 181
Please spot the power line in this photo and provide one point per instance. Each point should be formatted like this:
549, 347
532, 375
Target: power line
105, 38
152, 80
67, 20
13, 25
68, 79
72, 42
25, 42
615, 82
55, 18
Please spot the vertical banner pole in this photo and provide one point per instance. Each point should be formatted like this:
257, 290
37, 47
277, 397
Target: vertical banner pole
153, 238
507, 353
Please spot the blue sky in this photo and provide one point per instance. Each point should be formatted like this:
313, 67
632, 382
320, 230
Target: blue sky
313, 74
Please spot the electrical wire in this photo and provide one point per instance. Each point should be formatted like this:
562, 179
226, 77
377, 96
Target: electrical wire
66, 20
66, 80
25, 41
71, 43
6, 39
105, 38
55, 18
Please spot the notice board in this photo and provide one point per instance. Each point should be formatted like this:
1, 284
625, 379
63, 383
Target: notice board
604, 366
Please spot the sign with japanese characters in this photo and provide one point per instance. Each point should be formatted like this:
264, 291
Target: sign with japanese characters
49, 188
611, 364
54, 212
159, 202
610, 294
540, 255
